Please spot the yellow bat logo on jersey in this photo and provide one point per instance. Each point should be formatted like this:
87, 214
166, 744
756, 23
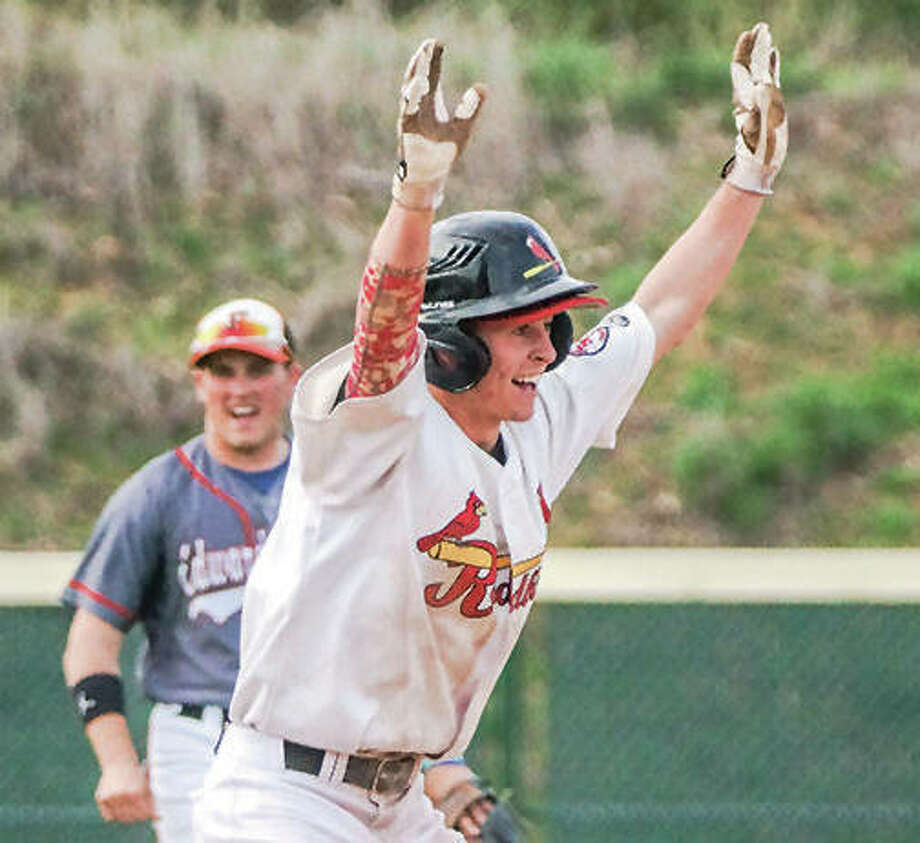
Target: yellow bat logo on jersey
475, 585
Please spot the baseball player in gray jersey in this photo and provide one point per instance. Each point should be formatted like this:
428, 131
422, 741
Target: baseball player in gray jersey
173, 549
425, 461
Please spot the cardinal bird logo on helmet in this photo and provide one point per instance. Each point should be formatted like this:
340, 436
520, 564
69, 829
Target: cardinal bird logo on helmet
542, 254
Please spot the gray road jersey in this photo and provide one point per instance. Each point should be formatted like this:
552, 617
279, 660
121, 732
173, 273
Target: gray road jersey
173, 549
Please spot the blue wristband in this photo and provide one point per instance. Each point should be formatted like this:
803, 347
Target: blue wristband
429, 763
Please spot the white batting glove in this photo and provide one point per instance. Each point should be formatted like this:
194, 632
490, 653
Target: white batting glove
429, 139
760, 115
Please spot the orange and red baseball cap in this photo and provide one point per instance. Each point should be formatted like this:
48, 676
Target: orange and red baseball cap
243, 324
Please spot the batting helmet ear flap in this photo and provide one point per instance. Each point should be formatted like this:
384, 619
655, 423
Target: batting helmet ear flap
561, 335
454, 360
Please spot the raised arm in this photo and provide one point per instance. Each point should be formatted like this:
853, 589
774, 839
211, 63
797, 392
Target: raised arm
680, 287
429, 141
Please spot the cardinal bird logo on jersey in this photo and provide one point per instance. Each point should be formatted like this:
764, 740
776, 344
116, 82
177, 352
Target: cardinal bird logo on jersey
462, 525
542, 254
475, 585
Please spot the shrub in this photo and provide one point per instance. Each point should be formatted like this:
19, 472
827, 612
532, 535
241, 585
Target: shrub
708, 387
694, 75
564, 75
820, 426
645, 104
891, 523
899, 481
906, 273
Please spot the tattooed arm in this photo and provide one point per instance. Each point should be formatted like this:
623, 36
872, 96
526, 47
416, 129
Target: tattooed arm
386, 342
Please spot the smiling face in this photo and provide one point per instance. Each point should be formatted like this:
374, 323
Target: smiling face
520, 353
245, 400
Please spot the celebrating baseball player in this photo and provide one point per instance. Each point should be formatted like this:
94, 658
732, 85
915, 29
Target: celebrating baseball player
173, 549
425, 461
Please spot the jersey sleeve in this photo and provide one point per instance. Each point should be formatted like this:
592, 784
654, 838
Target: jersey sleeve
586, 399
346, 448
123, 554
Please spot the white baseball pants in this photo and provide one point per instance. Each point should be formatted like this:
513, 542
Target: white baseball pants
180, 750
249, 797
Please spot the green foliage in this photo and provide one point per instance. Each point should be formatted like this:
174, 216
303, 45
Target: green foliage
850, 81
658, 20
906, 276
650, 98
660, 24
896, 287
708, 387
840, 202
193, 245
915, 218
89, 321
819, 426
693, 76
19, 243
893, 523
620, 282
18, 523
885, 171
800, 75
901, 480
830, 425
646, 104
844, 271
563, 76
664, 24
567, 72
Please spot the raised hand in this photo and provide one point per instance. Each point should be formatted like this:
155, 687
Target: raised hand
760, 114
429, 140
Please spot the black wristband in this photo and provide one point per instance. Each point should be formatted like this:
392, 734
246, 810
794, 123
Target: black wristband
98, 694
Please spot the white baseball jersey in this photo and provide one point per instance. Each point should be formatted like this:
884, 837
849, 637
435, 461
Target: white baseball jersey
405, 559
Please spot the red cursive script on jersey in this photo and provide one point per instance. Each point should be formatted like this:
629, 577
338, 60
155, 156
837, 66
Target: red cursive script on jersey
478, 594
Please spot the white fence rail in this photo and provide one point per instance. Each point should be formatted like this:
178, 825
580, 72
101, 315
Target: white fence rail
624, 575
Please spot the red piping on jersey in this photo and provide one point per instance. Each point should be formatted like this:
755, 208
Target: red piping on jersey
249, 533
127, 614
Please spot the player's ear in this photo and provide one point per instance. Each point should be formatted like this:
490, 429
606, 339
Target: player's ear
197, 375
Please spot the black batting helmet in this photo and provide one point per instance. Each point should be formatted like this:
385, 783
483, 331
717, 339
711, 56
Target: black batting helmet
492, 264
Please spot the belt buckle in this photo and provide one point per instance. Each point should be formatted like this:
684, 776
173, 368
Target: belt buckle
387, 782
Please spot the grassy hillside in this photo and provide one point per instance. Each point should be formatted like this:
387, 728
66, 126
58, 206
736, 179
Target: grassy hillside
154, 161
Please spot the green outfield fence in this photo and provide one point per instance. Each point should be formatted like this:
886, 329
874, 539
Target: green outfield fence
728, 695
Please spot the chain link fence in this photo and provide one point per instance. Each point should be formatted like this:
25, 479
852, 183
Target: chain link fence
612, 722
690, 722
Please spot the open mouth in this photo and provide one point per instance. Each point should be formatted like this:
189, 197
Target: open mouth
528, 384
243, 412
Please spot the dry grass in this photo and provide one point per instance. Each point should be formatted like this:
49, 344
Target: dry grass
121, 107
150, 168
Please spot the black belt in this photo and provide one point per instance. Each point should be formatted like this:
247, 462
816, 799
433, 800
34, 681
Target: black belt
384, 775
196, 712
